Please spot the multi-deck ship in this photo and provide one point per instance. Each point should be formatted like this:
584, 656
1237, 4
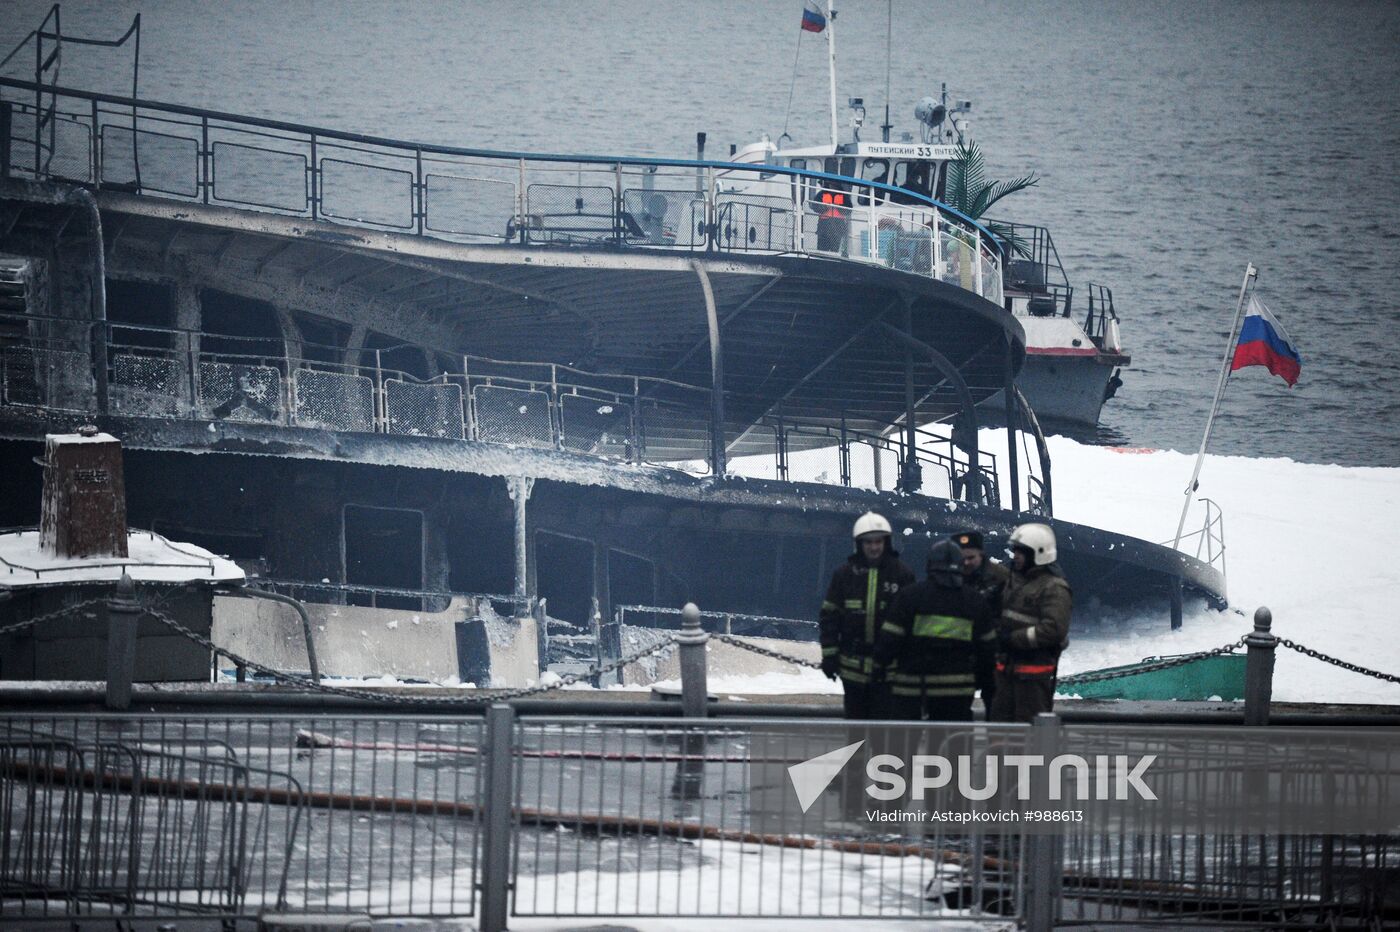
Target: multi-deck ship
485, 410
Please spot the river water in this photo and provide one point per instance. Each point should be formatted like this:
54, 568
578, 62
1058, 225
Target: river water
1174, 142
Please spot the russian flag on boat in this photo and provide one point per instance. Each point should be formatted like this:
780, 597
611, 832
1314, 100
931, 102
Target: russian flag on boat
813, 20
1264, 342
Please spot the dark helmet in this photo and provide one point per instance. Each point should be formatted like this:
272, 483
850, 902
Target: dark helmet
945, 564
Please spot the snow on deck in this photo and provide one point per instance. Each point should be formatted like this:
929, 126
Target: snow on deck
151, 558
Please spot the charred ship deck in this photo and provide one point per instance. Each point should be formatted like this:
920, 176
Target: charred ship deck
382, 372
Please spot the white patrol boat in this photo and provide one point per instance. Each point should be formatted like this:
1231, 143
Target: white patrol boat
1074, 350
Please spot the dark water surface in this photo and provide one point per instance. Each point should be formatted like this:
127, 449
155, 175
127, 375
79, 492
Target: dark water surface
1175, 142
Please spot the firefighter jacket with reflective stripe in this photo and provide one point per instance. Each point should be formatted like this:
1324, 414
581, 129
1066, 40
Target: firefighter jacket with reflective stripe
938, 641
1034, 624
856, 604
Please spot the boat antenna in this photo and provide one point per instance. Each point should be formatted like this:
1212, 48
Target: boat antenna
831, 67
793, 85
889, 31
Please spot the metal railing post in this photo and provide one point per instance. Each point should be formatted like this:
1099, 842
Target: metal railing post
1042, 874
315, 187
1259, 668
496, 822
123, 612
6, 125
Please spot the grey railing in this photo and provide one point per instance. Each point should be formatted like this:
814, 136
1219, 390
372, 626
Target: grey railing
156, 372
467, 195
449, 816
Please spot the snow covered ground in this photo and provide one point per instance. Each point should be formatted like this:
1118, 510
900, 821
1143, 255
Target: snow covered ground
1319, 545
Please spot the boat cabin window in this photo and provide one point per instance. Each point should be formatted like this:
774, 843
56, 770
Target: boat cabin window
915, 176
798, 164
834, 166
876, 170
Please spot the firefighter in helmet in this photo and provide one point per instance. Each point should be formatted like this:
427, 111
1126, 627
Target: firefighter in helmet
937, 631
988, 578
1033, 628
857, 603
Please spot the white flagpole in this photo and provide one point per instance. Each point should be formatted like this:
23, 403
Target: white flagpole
831, 67
1249, 274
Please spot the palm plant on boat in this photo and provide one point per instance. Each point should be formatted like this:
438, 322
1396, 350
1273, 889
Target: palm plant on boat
970, 193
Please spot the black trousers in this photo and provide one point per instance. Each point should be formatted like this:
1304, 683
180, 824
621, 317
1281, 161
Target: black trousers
934, 708
861, 701
1021, 700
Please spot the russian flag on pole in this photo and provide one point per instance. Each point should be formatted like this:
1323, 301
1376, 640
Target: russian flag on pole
1264, 342
813, 20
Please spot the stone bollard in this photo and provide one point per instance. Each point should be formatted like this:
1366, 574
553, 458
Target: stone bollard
692, 640
695, 695
123, 613
1259, 668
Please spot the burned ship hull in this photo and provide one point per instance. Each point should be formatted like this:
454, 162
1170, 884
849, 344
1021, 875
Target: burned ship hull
593, 384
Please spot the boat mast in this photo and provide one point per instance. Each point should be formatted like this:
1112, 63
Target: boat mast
889, 35
831, 67
1249, 273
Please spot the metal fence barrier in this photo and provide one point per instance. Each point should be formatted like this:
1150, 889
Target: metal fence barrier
415, 815
221, 817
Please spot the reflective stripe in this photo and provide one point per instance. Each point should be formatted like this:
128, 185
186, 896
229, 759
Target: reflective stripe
829, 606
890, 627
932, 678
854, 603
856, 663
943, 626
872, 590
829, 651
989, 636
854, 677
1033, 668
940, 691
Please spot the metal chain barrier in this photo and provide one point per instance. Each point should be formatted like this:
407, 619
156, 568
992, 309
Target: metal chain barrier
49, 616
767, 652
494, 696
1336, 662
1166, 664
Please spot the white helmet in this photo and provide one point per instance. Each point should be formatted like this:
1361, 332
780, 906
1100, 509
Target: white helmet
871, 523
1039, 539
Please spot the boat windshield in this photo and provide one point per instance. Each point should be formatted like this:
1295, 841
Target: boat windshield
917, 177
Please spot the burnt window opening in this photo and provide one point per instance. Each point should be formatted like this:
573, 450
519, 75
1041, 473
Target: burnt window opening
632, 581
323, 340
141, 314
383, 549
564, 568
234, 325
395, 357
480, 554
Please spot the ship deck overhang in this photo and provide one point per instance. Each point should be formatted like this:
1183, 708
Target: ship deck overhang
807, 334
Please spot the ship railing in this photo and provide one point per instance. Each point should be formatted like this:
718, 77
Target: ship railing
1209, 538
717, 622
192, 155
1033, 268
1101, 311
155, 372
